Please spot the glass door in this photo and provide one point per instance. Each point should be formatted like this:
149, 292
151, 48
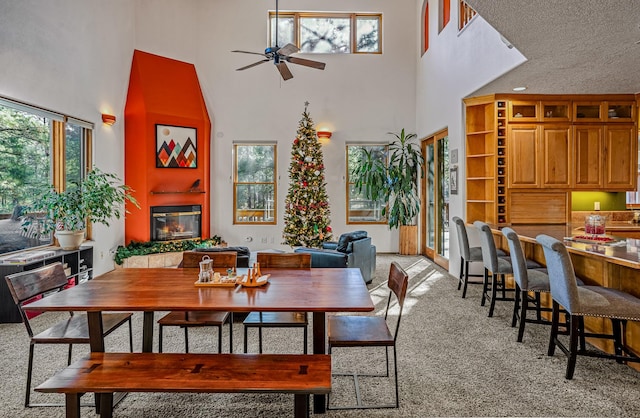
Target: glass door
435, 199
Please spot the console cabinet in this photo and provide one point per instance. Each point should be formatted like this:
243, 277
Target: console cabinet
78, 266
556, 143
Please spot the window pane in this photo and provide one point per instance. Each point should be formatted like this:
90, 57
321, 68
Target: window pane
368, 34
255, 163
361, 209
25, 167
285, 30
73, 154
325, 35
255, 203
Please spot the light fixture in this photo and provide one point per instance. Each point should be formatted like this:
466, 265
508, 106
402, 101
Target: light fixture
324, 134
519, 88
108, 119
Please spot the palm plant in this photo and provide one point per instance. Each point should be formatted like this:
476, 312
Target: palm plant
395, 182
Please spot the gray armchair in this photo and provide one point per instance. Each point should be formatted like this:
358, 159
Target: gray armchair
353, 249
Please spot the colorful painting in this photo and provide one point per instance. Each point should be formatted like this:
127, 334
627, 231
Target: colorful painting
176, 147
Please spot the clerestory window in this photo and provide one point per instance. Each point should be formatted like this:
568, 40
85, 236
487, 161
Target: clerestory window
328, 33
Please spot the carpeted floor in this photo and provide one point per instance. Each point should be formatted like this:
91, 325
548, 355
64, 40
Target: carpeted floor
453, 361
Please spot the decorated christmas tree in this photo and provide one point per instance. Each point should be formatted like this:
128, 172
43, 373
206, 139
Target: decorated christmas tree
306, 217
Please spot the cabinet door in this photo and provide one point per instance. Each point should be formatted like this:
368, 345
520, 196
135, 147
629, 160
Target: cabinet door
621, 157
523, 156
556, 156
588, 160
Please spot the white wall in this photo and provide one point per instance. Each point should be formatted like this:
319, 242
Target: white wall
358, 97
455, 65
73, 57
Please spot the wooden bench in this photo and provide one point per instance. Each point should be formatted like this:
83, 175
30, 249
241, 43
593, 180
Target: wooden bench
106, 373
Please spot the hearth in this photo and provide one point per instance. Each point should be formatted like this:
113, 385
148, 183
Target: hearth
175, 222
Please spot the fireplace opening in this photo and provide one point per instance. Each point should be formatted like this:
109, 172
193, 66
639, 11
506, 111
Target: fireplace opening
175, 222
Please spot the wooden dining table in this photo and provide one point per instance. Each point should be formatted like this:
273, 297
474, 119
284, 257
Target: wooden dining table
317, 290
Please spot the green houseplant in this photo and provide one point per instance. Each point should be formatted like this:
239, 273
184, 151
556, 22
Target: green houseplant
394, 182
97, 199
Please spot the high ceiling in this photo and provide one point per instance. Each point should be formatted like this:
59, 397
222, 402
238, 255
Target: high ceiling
572, 46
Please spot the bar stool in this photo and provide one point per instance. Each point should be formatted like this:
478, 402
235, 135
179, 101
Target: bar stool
585, 301
499, 267
467, 255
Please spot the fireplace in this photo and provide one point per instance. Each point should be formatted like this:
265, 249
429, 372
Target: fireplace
175, 222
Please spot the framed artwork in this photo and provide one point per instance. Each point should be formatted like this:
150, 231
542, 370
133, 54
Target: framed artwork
453, 180
176, 147
453, 156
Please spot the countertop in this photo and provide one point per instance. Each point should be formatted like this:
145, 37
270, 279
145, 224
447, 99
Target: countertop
624, 251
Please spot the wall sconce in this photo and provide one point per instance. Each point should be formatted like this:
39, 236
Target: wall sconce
108, 119
324, 134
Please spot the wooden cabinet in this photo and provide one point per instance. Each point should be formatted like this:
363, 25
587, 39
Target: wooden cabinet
621, 157
523, 153
588, 157
556, 157
78, 266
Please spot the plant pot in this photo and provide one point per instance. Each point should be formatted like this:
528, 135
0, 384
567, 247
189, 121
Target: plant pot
408, 239
70, 240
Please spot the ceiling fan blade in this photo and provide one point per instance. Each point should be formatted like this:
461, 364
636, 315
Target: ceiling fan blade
307, 63
252, 65
248, 52
284, 71
288, 49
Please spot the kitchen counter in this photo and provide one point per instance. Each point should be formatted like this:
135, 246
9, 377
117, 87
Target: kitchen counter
624, 251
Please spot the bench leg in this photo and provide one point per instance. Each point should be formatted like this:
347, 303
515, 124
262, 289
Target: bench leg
72, 405
106, 404
300, 405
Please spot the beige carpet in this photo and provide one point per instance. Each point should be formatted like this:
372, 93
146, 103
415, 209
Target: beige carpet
453, 360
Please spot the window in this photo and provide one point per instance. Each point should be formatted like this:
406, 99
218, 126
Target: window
254, 184
38, 148
466, 14
445, 13
425, 26
318, 33
359, 208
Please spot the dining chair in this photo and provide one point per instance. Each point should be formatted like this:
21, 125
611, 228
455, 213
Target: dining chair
31, 284
585, 301
262, 320
348, 331
193, 319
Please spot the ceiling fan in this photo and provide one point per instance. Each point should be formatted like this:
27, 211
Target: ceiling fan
280, 57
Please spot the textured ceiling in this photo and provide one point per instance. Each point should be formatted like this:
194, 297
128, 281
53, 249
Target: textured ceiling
572, 46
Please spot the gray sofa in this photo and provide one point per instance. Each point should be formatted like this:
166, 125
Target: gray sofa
353, 249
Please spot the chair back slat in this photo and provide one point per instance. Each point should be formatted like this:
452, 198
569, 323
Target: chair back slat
284, 260
222, 259
488, 246
463, 238
562, 277
28, 284
518, 260
398, 283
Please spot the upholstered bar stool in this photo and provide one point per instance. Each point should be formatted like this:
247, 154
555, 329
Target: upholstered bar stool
467, 255
585, 301
498, 267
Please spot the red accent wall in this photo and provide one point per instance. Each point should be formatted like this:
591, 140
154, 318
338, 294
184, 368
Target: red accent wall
163, 91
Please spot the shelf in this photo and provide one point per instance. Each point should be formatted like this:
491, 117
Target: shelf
481, 132
480, 178
479, 201
480, 155
177, 191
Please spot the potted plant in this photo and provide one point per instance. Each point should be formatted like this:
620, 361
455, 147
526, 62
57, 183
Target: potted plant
394, 182
97, 199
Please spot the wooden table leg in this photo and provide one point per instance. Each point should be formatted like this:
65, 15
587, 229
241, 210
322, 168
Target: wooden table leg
96, 341
147, 332
319, 347
72, 405
300, 405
